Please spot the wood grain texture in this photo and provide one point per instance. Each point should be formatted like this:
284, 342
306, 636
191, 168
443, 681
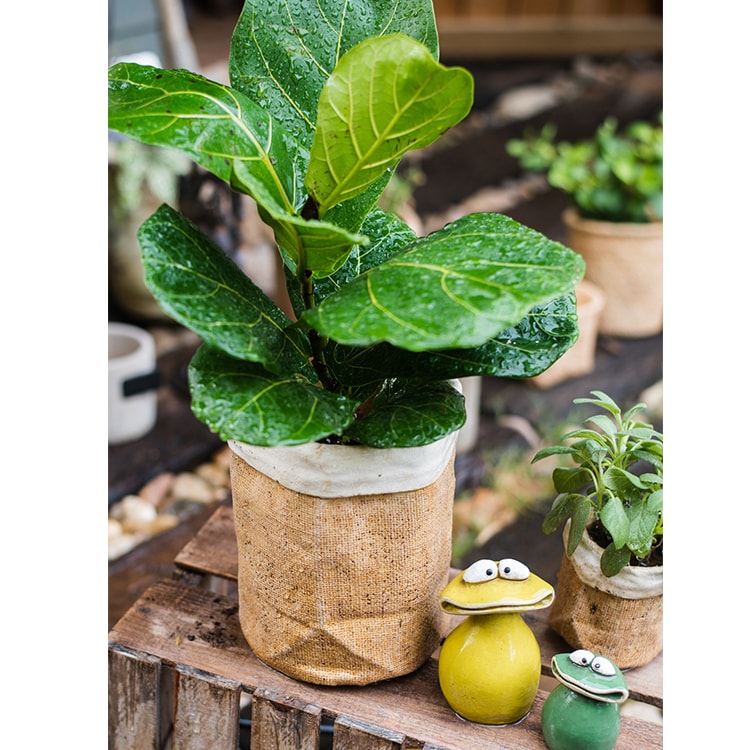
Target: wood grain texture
185, 625
207, 707
133, 700
283, 723
351, 734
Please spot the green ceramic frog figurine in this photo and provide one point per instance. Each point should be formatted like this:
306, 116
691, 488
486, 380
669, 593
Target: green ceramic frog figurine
490, 664
584, 710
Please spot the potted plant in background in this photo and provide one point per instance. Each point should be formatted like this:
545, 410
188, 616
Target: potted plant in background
615, 180
140, 179
609, 594
342, 419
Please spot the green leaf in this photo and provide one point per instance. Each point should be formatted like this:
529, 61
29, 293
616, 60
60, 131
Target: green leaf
282, 54
616, 521
623, 482
406, 415
552, 450
213, 125
485, 272
310, 245
570, 478
559, 512
579, 518
604, 423
614, 560
386, 96
242, 401
521, 351
197, 284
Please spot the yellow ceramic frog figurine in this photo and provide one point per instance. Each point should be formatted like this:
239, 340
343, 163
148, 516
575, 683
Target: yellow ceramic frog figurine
490, 664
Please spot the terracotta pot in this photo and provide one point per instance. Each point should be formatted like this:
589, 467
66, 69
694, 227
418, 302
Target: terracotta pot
625, 261
580, 359
343, 553
619, 617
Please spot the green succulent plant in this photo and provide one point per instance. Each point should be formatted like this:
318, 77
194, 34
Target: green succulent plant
615, 176
324, 100
601, 487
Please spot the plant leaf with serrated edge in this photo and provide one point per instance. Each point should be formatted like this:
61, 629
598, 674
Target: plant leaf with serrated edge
241, 400
386, 96
198, 285
486, 272
406, 415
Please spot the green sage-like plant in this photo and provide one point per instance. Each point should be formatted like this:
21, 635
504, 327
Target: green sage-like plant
325, 99
601, 487
614, 176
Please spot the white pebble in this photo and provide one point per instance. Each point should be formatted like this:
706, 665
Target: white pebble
114, 529
213, 474
121, 545
188, 486
136, 509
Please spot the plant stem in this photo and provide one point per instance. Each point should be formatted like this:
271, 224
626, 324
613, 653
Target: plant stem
317, 342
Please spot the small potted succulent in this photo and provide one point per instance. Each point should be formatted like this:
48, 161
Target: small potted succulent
615, 182
352, 398
609, 597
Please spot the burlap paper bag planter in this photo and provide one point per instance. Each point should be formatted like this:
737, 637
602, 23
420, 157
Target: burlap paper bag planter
619, 617
343, 553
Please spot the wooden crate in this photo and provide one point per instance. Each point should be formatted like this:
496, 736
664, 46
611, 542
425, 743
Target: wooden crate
547, 28
180, 669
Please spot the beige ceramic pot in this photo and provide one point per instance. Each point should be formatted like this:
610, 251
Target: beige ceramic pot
580, 359
619, 617
625, 261
343, 553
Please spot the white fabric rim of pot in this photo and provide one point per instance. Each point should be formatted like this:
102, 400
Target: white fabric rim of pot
632, 582
327, 470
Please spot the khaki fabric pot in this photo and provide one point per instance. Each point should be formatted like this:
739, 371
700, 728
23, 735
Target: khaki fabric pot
580, 359
619, 617
343, 553
626, 261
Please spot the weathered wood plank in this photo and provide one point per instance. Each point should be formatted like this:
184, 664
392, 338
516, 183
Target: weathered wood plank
184, 625
213, 552
207, 710
133, 699
283, 723
351, 734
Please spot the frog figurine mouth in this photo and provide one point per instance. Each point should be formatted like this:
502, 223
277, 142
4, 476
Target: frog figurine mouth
489, 587
590, 675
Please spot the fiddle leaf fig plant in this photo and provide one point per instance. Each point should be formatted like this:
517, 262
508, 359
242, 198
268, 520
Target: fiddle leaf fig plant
601, 487
324, 100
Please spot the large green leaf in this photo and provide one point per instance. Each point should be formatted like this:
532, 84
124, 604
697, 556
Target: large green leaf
213, 125
484, 273
241, 401
197, 284
524, 350
405, 415
387, 96
283, 52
